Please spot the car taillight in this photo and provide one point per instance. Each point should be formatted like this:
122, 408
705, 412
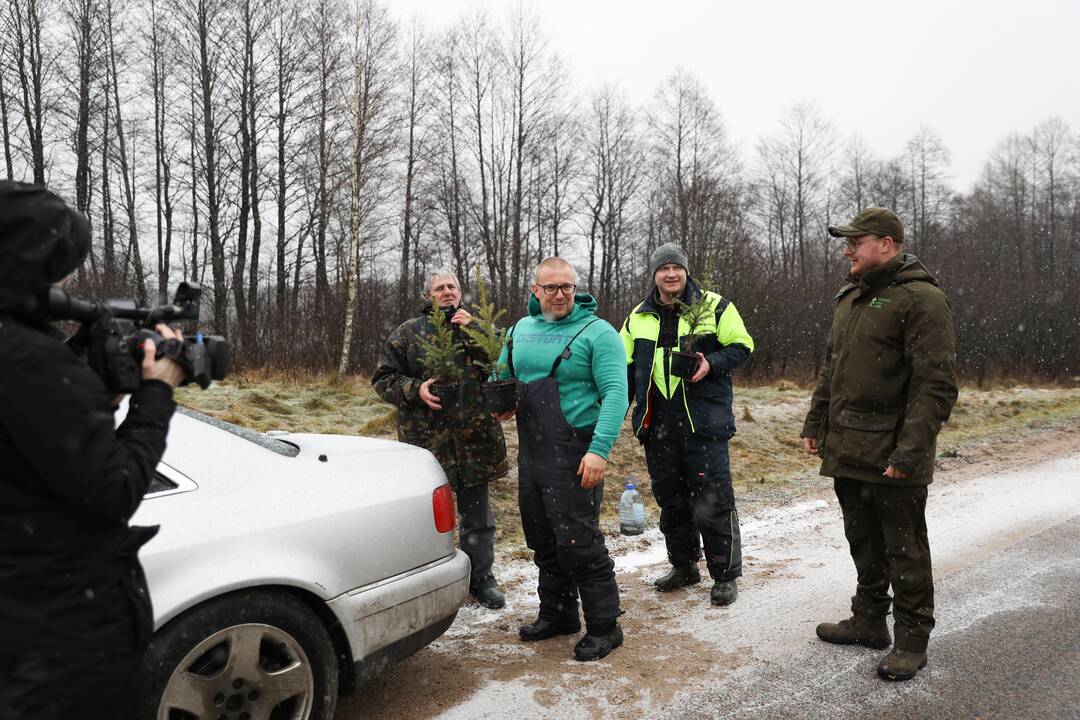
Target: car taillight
442, 503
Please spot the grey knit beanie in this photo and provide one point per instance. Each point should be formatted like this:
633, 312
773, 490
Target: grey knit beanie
667, 253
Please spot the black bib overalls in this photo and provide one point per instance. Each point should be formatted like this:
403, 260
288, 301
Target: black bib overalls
559, 517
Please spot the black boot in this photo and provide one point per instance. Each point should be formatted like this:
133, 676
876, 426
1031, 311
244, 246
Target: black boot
594, 647
680, 576
490, 597
541, 629
723, 592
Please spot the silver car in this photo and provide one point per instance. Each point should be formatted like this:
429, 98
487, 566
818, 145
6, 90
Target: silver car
289, 568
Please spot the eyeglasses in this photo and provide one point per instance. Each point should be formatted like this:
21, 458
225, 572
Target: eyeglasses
854, 242
565, 289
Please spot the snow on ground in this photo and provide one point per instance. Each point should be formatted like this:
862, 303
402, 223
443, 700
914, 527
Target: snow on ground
797, 572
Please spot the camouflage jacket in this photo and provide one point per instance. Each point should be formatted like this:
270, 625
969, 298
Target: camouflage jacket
470, 445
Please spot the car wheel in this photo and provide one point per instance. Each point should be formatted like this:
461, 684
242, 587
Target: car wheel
251, 655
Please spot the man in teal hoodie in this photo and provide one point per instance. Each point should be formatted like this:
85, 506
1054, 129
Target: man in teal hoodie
572, 397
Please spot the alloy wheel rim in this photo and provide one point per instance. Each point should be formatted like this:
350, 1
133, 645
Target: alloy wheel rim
250, 671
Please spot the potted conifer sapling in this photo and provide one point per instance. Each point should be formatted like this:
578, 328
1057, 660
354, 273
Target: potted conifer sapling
440, 361
500, 396
684, 362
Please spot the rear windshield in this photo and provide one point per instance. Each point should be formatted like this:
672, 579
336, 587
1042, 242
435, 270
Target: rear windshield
273, 444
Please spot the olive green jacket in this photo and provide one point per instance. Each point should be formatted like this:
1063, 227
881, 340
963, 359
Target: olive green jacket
469, 445
888, 382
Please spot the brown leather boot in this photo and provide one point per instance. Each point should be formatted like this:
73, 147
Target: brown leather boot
856, 631
901, 664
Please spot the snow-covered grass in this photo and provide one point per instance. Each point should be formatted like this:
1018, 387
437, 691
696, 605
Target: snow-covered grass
768, 465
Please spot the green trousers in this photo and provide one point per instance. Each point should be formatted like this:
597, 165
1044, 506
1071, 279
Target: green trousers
885, 527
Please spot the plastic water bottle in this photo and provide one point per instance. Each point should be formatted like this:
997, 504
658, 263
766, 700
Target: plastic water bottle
631, 511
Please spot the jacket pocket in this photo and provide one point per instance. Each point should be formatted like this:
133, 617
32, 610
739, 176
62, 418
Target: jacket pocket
707, 387
711, 415
866, 438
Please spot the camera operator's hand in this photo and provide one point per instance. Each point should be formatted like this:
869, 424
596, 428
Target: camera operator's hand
425, 394
165, 369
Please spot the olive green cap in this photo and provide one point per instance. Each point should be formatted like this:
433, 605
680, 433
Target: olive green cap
874, 221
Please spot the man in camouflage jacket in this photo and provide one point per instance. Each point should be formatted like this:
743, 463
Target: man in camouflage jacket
469, 445
887, 387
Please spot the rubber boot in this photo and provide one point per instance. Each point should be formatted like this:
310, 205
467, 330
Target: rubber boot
490, 597
594, 647
544, 629
723, 592
680, 576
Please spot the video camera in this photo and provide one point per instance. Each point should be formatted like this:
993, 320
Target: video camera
111, 335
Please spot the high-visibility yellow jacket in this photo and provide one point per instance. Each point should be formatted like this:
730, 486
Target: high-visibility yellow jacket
722, 339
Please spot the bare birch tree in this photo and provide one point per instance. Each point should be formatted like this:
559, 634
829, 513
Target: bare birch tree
160, 75
450, 191
613, 177
417, 103
84, 34
5, 127
286, 64
799, 158
325, 45
112, 9
202, 24
369, 108
926, 159
692, 165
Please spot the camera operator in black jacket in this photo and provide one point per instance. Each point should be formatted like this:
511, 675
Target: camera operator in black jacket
75, 615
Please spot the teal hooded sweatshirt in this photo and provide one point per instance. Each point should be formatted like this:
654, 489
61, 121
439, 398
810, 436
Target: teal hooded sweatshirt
592, 381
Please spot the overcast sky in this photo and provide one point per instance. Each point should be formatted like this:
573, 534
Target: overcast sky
973, 71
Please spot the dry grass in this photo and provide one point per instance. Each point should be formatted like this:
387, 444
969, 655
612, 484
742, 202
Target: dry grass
767, 461
313, 403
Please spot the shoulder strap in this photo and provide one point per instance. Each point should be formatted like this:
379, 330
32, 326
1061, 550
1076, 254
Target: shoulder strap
510, 350
566, 350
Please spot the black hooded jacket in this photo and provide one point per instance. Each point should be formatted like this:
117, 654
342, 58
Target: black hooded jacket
69, 480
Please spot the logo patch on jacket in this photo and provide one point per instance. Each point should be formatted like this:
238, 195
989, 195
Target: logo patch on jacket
879, 302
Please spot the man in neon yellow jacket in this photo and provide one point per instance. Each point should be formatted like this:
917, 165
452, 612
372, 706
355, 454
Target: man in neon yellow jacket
685, 422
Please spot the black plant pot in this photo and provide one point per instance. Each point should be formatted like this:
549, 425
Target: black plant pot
450, 395
500, 396
683, 364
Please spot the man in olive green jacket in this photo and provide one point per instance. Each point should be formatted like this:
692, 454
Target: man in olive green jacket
886, 388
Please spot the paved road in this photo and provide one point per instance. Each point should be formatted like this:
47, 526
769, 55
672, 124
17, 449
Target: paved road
1007, 644
1006, 550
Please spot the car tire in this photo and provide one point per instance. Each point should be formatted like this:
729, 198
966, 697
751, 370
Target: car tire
236, 657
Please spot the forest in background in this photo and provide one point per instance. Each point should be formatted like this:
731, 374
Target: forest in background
311, 162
